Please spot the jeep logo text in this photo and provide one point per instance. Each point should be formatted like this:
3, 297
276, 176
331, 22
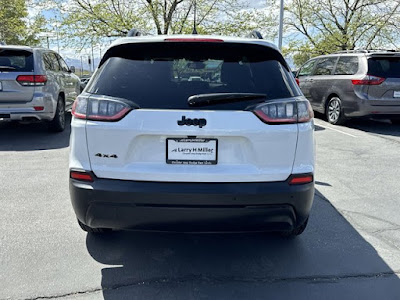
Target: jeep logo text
194, 122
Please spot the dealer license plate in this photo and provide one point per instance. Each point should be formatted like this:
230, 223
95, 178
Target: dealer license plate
187, 151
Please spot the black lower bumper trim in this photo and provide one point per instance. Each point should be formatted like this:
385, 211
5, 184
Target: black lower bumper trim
169, 206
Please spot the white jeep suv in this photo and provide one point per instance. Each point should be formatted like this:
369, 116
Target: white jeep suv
153, 150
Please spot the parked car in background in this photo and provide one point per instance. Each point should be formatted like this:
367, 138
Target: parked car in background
35, 85
153, 151
84, 82
195, 78
350, 84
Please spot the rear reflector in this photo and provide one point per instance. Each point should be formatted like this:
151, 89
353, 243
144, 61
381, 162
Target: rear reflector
194, 40
80, 175
38, 108
301, 179
368, 80
32, 80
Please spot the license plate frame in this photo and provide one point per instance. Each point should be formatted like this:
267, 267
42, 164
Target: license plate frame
192, 148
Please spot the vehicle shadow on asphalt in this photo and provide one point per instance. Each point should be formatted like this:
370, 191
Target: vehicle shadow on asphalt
384, 127
329, 261
30, 137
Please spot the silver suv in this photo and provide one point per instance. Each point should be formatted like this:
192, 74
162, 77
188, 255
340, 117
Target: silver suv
359, 83
35, 85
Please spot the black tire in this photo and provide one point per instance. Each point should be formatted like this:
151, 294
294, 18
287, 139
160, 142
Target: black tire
395, 121
296, 231
92, 230
334, 111
58, 122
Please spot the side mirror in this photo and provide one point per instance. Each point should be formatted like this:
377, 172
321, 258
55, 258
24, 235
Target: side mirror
72, 68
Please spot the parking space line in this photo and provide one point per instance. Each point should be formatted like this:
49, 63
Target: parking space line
334, 129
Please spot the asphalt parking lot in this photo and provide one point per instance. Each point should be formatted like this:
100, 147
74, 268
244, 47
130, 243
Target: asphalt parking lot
351, 249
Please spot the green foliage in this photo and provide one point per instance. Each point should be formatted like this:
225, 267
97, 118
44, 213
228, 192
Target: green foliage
86, 22
327, 26
14, 28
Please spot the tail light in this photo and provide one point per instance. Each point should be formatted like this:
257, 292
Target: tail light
81, 175
281, 112
32, 80
301, 179
297, 81
100, 109
368, 80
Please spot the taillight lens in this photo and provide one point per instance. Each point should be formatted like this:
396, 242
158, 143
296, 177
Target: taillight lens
81, 175
99, 109
280, 112
301, 179
297, 81
368, 80
32, 80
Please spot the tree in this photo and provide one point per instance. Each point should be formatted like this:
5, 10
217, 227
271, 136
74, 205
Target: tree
14, 26
90, 20
326, 26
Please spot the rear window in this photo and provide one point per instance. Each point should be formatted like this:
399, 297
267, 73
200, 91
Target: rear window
16, 60
165, 75
386, 67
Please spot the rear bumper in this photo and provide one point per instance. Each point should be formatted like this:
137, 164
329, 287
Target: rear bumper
26, 111
375, 108
168, 206
25, 116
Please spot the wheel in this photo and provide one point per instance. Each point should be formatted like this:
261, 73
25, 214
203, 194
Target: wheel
334, 111
58, 123
395, 121
296, 231
93, 230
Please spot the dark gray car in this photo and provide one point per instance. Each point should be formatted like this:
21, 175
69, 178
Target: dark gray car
35, 85
360, 83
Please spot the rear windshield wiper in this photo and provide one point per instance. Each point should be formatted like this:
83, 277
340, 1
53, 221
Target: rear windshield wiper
221, 98
7, 68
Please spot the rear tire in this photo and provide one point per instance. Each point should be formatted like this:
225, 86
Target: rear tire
58, 122
296, 231
92, 230
395, 121
334, 111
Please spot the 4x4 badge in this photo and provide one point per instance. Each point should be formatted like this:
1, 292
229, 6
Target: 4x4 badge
106, 155
194, 122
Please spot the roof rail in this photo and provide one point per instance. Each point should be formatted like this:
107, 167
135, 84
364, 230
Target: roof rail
134, 32
381, 50
352, 51
255, 35
365, 51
